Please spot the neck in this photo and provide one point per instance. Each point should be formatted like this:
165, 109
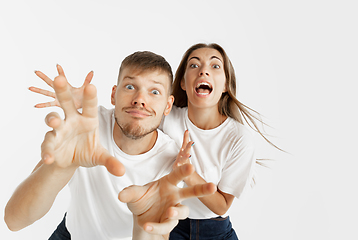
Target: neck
134, 146
205, 118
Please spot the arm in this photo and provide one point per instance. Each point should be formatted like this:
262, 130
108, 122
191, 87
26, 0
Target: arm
156, 206
34, 197
73, 142
219, 202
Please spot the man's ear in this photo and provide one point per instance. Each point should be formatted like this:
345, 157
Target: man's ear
169, 106
182, 84
113, 95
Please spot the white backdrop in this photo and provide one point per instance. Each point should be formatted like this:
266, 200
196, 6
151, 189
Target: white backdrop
296, 63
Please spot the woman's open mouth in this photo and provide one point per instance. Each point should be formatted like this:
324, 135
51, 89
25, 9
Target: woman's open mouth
203, 88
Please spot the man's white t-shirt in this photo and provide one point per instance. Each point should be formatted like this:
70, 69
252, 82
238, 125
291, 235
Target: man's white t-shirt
223, 155
95, 211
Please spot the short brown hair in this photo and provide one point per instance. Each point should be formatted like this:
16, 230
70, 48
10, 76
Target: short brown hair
142, 61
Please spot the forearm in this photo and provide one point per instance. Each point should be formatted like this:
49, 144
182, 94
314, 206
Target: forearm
216, 202
34, 197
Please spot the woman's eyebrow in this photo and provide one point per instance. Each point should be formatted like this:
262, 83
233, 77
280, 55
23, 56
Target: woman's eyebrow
212, 57
216, 58
194, 58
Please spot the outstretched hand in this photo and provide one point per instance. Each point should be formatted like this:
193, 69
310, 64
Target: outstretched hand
184, 155
156, 205
77, 93
74, 141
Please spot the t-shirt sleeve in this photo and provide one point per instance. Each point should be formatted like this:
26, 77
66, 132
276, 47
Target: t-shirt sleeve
238, 170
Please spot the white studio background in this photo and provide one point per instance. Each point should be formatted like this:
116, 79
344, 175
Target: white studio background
296, 63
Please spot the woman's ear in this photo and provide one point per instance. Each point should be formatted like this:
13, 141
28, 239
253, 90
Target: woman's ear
182, 84
113, 95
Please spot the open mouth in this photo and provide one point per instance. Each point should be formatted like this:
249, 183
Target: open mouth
203, 88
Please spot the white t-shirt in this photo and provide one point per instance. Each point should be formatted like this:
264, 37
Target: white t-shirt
223, 155
95, 211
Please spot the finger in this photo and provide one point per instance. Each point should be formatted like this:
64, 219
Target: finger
178, 212
45, 78
47, 104
185, 139
112, 164
89, 103
132, 193
199, 190
60, 70
162, 228
179, 173
48, 148
42, 91
88, 78
53, 120
64, 95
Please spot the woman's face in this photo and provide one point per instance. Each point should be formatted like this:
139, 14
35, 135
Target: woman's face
204, 78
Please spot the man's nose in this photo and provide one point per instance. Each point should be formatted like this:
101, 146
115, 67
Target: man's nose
139, 99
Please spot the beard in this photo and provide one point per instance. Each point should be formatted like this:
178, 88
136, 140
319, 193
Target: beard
134, 131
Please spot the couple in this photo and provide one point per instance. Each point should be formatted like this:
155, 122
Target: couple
205, 104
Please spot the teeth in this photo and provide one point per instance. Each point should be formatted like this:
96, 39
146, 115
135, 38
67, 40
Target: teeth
203, 83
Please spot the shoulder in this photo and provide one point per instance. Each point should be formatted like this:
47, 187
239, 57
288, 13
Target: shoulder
166, 143
239, 134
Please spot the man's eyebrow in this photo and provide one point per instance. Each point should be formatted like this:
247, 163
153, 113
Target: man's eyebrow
134, 78
129, 77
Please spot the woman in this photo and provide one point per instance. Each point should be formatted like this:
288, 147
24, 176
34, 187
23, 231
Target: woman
204, 89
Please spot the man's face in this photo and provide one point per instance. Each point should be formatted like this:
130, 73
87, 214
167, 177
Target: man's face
140, 101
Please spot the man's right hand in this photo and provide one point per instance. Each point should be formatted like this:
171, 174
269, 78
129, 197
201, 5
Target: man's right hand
77, 93
74, 141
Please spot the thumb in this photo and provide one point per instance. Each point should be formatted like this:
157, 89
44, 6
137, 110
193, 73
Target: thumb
132, 193
112, 164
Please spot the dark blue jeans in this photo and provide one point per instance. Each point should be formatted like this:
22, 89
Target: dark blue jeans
61, 233
204, 229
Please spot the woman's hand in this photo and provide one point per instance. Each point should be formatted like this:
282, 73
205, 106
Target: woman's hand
184, 154
77, 93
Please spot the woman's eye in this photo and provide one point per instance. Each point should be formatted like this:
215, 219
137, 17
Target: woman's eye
155, 92
216, 66
130, 87
193, 65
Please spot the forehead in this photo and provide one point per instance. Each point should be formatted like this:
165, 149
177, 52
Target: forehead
206, 54
155, 76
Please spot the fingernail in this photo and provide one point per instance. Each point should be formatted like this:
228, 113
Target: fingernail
148, 228
190, 156
35, 71
193, 144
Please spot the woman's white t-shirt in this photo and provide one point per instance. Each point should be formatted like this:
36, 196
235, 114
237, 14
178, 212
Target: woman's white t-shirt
223, 155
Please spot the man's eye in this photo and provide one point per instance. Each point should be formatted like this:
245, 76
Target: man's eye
130, 87
155, 92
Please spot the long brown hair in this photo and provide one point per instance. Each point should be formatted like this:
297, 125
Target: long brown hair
228, 105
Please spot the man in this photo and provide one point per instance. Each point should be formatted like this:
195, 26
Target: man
82, 152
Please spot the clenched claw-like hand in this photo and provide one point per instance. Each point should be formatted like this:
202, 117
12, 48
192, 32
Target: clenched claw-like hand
74, 141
